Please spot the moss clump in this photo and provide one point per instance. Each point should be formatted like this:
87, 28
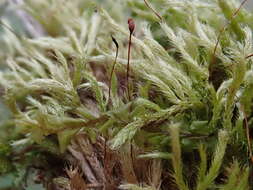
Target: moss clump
187, 124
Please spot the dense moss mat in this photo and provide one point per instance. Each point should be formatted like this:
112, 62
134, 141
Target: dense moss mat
186, 122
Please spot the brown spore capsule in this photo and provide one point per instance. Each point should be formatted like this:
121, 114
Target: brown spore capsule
131, 25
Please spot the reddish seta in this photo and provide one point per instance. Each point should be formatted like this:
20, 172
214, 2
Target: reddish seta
131, 27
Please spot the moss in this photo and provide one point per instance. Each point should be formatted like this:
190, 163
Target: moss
190, 90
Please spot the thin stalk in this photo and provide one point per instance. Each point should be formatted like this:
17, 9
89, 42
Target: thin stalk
224, 28
128, 67
247, 133
109, 97
131, 26
105, 155
132, 157
249, 56
239, 8
153, 10
113, 67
